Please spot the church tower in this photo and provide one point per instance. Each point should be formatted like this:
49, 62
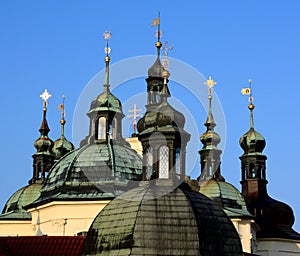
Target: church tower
210, 153
161, 130
274, 218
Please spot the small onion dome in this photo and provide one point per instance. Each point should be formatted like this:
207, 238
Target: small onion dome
13, 209
164, 116
62, 146
44, 144
210, 139
151, 220
226, 196
106, 101
252, 141
91, 172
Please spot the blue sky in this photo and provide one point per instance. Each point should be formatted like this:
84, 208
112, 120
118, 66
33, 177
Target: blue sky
59, 46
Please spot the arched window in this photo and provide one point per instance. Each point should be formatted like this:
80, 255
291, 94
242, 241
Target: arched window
252, 171
177, 161
102, 128
149, 162
164, 162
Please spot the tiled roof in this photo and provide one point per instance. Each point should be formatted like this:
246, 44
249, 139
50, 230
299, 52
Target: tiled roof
41, 246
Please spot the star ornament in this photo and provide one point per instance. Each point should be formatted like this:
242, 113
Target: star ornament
210, 82
107, 35
45, 96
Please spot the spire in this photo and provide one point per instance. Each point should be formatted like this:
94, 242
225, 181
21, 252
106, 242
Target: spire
62, 146
252, 141
210, 153
156, 69
107, 49
43, 158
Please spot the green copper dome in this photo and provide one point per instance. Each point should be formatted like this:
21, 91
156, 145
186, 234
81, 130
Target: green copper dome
13, 209
226, 196
92, 172
252, 141
151, 220
106, 101
62, 146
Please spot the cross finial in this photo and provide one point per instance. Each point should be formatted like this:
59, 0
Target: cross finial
166, 48
210, 83
107, 36
134, 115
45, 96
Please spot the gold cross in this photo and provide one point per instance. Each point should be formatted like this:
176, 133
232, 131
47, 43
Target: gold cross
134, 115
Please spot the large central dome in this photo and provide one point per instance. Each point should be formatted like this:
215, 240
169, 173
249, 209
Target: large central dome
150, 220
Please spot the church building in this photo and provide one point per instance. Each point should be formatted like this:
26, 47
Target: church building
118, 196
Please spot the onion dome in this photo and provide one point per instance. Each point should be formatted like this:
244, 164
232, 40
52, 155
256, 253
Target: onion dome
62, 146
226, 196
94, 171
13, 209
148, 220
252, 141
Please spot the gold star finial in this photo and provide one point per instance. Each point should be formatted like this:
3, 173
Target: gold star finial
210, 83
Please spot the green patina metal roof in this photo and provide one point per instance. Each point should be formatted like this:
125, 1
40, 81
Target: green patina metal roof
13, 209
153, 219
226, 196
92, 172
106, 101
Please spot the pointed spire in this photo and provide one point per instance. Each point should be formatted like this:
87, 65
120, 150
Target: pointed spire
43, 158
107, 49
210, 153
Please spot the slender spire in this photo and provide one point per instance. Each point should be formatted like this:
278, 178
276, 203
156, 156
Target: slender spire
210, 153
43, 158
210, 122
107, 49
44, 129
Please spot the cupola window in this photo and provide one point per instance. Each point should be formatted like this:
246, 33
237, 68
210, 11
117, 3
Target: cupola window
164, 162
149, 162
101, 128
177, 161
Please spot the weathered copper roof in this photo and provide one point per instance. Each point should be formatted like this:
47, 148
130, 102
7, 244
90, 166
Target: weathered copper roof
151, 220
226, 196
92, 172
41, 246
13, 209
106, 101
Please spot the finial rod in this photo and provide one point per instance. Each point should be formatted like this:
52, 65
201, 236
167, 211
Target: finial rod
61, 107
107, 49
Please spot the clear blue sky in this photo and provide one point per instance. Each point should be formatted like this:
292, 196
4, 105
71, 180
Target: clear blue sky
58, 45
